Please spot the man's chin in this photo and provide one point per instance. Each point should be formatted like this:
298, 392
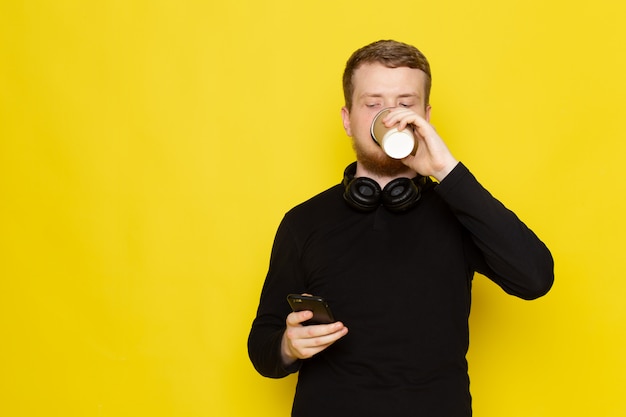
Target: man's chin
380, 164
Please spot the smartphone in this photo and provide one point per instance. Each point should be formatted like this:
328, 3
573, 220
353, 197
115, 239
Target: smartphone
319, 307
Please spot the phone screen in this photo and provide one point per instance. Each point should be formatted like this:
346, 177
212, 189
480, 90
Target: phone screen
319, 307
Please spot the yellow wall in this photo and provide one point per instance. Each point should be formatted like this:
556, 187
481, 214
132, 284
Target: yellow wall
148, 150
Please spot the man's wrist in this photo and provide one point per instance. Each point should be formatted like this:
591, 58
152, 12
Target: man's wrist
285, 353
443, 173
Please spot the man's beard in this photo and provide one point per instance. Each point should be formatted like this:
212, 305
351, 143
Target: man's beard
378, 163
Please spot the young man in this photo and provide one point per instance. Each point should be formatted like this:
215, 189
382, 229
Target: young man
393, 253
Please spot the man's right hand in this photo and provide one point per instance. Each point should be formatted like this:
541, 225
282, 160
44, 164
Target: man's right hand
302, 342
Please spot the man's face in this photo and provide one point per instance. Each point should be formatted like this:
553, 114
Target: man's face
375, 88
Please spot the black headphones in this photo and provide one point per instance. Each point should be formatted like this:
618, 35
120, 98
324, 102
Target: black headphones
401, 194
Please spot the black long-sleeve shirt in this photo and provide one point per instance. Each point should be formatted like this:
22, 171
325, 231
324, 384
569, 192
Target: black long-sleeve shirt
401, 283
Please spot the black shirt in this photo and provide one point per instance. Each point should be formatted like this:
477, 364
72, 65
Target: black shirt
401, 283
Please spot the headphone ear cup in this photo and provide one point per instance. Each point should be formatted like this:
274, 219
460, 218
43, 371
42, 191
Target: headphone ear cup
400, 194
363, 194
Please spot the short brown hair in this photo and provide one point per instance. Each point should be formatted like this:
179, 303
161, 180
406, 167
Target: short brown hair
390, 53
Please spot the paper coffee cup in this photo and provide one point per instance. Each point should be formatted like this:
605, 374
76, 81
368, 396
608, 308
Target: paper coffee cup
395, 143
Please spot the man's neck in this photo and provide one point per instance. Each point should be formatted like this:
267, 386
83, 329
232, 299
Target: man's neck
383, 180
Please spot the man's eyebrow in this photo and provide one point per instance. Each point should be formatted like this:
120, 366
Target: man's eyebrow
371, 95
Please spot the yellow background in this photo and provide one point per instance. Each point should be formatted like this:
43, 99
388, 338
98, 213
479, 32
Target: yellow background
148, 150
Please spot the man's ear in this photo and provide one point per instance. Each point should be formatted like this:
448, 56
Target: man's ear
345, 117
428, 108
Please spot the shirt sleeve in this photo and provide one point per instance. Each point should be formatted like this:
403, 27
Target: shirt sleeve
284, 276
512, 255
